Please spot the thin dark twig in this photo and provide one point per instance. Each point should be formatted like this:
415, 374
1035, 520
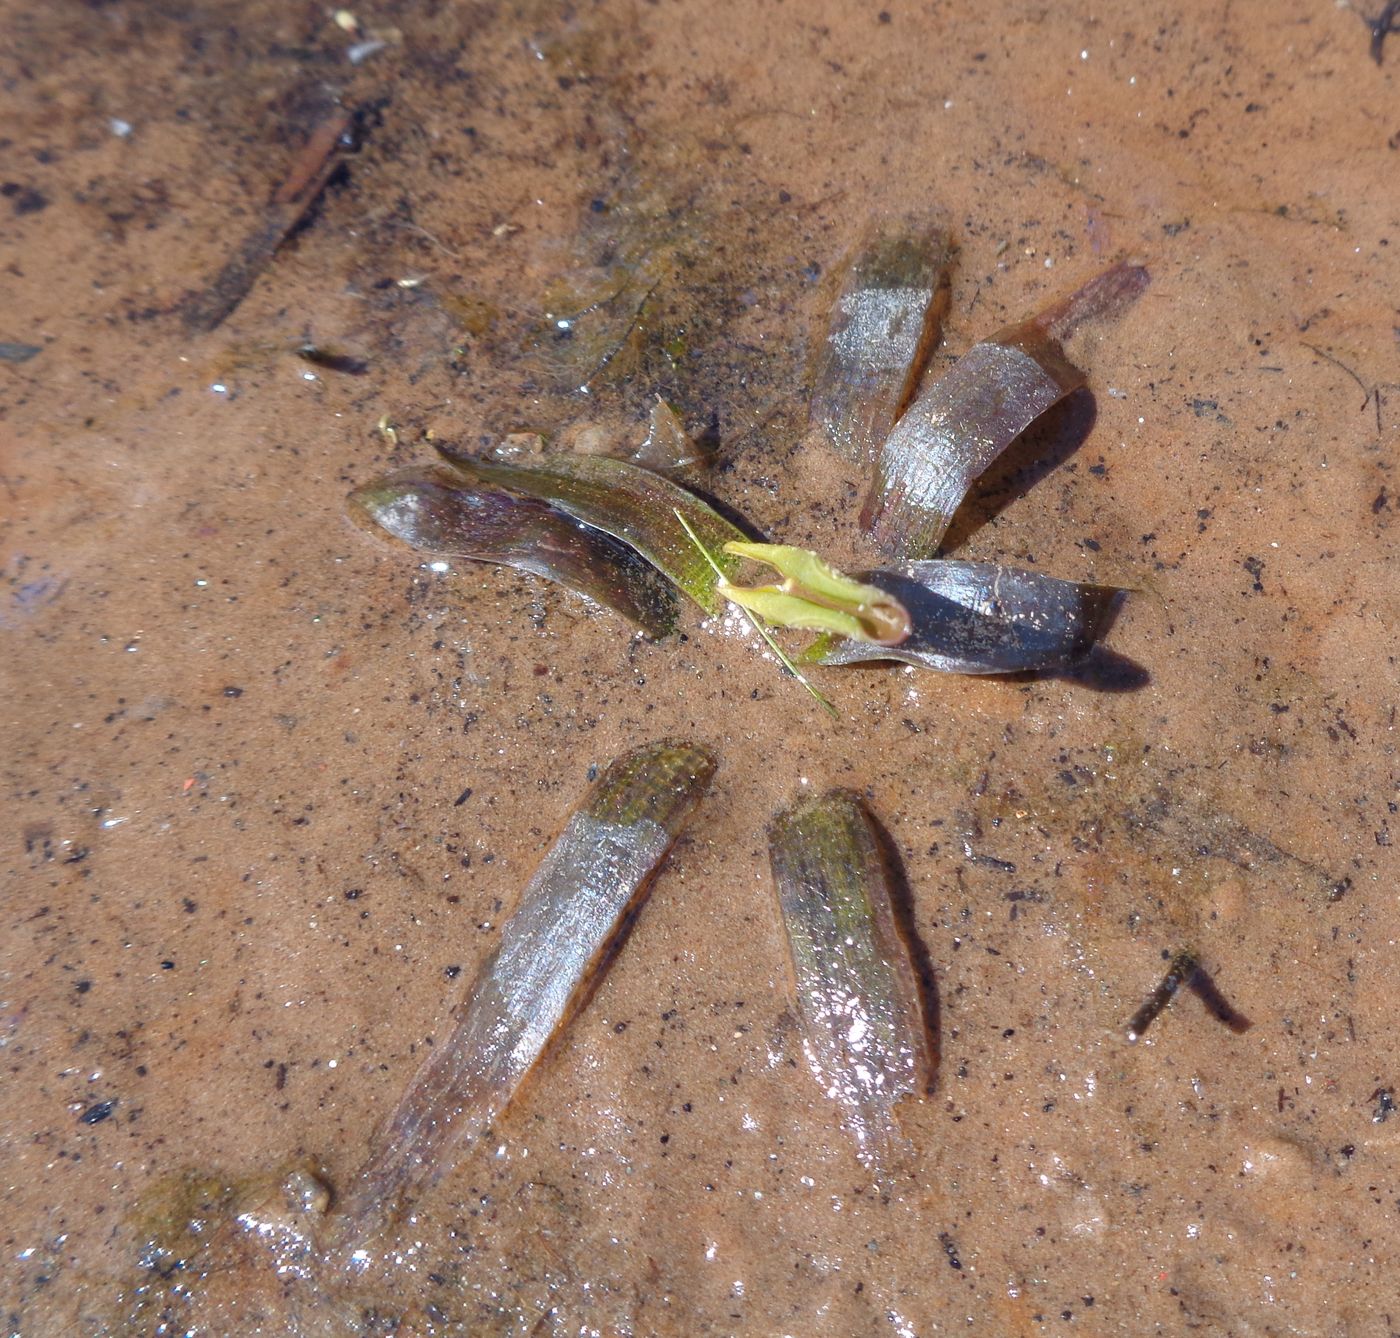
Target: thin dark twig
1385, 23
1371, 392
1183, 966
1186, 970
310, 172
1204, 988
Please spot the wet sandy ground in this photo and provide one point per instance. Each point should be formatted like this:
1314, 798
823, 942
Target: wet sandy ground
271, 785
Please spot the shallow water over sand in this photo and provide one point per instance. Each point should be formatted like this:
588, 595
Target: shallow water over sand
273, 785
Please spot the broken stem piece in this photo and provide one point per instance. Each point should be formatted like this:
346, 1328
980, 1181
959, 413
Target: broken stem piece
1183, 967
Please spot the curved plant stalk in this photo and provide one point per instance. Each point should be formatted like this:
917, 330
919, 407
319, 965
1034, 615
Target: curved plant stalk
439, 511
983, 618
865, 1027
960, 423
630, 503
883, 326
552, 952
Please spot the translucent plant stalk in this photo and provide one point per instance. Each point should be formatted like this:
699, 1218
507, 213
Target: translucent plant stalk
963, 421
865, 1028
550, 956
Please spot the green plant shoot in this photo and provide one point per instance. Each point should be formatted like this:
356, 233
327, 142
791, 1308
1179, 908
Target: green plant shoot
815, 596
724, 588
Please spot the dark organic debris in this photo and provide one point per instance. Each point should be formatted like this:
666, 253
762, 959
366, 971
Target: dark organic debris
311, 170
1382, 26
345, 363
1185, 969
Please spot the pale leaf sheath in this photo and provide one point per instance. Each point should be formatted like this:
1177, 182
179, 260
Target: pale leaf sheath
550, 955
952, 433
865, 1029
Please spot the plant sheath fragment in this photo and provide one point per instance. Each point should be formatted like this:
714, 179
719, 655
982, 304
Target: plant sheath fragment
551, 954
884, 324
865, 1025
439, 511
632, 504
310, 172
963, 421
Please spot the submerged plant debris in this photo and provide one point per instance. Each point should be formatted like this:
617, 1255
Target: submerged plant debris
961, 422
1185, 970
440, 511
984, 618
883, 327
955, 617
631, 503
329, 137
550, 956
865, 1024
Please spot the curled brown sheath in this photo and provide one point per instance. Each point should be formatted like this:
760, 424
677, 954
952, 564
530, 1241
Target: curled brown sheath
551, 954
865, 1028
961, 422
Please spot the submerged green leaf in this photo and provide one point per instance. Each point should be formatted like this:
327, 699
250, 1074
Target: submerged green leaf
437, 511
632, 504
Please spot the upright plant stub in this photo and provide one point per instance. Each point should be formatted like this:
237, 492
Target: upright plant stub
864, 1025
883, 327
551, 954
